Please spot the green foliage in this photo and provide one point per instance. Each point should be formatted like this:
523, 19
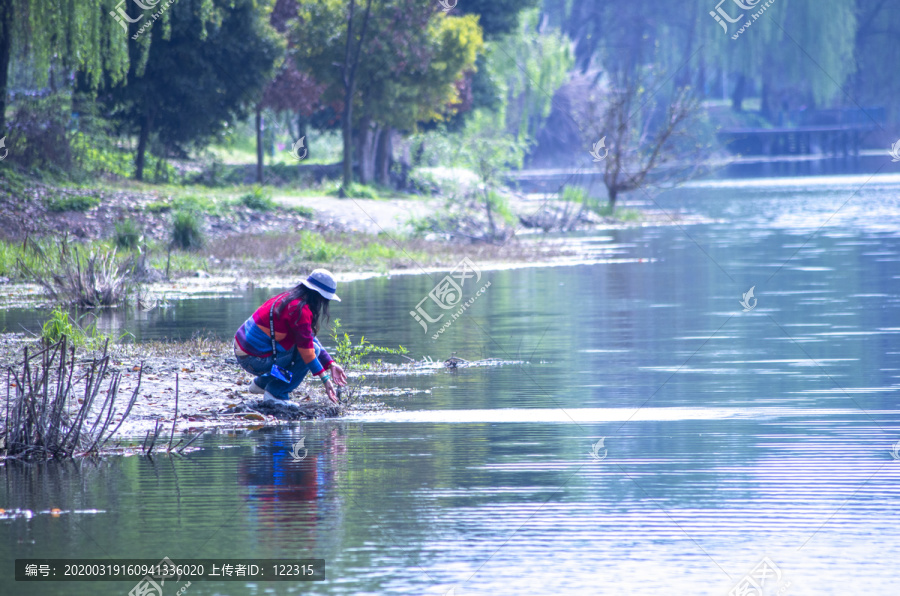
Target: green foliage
64, 202
86, 277
192, 56
313, 248
527, 67
573, 194
194, 203
61, 324
358, 191
500, 206
413, 60
487, 150
128, 234
187, 230
258, 199
302, 211
496, 17
65, 37
12, 254
358, 357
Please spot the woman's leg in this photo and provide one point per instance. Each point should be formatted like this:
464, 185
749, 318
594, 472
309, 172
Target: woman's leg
260, 367
278, 388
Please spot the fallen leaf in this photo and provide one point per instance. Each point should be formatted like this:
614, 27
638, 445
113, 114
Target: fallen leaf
254, 416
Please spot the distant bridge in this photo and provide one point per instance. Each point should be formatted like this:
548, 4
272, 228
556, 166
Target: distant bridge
831, 139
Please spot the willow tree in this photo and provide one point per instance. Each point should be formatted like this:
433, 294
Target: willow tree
877, 36
65, 34
528, 66
805, 47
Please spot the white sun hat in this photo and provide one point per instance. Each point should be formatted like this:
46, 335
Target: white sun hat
322, 281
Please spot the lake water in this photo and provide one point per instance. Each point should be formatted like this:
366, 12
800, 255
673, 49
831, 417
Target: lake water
728, 436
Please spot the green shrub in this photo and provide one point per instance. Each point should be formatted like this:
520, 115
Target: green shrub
258, 199
358, 191
72, 203
313, 247
573, 194
186, 203
302, 211
187, 232
60, 324
128, 234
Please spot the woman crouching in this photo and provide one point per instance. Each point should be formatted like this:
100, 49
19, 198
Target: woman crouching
278, 342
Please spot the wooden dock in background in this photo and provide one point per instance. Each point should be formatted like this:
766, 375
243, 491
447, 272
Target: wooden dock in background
835, 139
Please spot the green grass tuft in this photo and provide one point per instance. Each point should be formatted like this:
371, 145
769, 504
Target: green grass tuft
63, 203
258, 200
127, 235
187, 230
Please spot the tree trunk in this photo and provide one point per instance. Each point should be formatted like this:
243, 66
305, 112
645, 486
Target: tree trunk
6, 18
367, 137
302, 123
737, 97
349, 80
347, 134
490, 216
613, 193
140, 157
765, 101
384, 156
259, 145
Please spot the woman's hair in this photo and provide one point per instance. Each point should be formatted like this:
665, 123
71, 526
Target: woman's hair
317, 304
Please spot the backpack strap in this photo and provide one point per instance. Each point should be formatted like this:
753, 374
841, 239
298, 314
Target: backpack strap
272, 333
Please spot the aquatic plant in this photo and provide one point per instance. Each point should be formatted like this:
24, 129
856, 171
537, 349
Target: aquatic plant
357, 358
72, 278
61, 324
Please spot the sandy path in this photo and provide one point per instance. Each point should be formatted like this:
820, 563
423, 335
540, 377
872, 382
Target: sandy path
366, 215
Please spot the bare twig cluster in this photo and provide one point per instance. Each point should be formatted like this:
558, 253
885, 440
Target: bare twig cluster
39, 422
152, 435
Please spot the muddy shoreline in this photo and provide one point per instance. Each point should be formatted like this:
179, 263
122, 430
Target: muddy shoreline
212, 390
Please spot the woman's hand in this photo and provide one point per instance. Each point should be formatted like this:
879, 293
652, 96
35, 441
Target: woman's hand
338, 373
329, 389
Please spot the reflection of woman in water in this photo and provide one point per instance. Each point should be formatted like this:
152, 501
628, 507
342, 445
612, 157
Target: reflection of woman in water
293, 317
288, 495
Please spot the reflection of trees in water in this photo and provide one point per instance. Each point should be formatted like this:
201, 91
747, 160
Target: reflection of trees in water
49, 486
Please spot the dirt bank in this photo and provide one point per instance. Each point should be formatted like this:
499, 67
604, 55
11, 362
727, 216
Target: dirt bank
213, 391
